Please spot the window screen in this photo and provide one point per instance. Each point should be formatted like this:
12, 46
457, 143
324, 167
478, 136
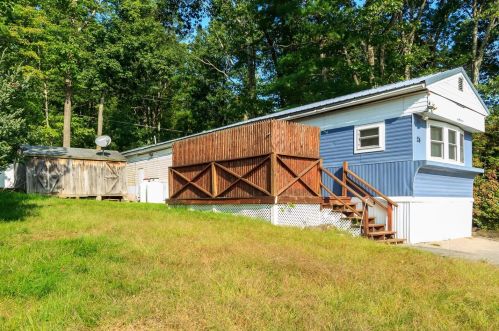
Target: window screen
452, 145
461, 148
437, 141
369, 137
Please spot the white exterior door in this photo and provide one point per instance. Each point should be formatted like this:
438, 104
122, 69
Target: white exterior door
140, 179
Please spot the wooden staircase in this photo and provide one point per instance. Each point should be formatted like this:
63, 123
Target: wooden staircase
354, 186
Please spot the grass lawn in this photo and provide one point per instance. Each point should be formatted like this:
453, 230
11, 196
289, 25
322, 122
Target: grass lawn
78, 264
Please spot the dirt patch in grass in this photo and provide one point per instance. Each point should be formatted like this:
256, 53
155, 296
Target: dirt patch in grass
491, 234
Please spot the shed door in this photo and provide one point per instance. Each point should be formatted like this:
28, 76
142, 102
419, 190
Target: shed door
47, 177
113, 176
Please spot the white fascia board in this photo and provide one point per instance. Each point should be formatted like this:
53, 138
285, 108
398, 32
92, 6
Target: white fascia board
147, 149
449, 111
402, 199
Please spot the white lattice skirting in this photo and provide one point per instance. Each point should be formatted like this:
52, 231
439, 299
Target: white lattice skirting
302, 215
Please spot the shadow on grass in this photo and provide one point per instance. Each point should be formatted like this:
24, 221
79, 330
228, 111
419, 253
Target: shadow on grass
16, 206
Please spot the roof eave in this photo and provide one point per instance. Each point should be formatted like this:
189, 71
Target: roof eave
420, 87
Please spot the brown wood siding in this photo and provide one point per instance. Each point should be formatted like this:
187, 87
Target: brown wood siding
261, 138
265, 159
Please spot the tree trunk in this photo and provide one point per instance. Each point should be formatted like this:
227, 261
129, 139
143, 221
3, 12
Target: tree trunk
251, 72
66, 141
474, 44
408, 39
46, 102
100, 119
370, 61
477, 50
382, 61
251, 82
349, 62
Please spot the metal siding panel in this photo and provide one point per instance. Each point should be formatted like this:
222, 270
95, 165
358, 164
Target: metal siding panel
402, 220
391, 178
337, 145
419, 139
429, 183
468, 149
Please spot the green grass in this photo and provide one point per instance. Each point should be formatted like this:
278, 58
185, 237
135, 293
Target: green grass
77, 264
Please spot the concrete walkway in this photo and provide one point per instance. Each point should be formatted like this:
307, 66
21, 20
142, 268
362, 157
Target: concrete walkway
476, 248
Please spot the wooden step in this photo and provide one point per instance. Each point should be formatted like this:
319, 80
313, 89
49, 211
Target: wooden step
392, 241
352, 218
340, 200
340, 205
381, 233
376, 226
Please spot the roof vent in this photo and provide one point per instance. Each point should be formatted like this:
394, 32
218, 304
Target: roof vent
460, 84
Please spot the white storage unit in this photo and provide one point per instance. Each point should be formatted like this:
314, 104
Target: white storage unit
7, 177
148, 167
152, 192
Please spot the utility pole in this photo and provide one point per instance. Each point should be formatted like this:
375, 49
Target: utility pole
66, 138
100, 119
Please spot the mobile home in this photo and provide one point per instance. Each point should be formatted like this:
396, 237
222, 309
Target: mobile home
411, 140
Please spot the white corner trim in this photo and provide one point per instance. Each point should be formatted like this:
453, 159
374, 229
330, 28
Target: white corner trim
381, 147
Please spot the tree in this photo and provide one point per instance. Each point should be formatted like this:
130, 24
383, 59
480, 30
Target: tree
11, 115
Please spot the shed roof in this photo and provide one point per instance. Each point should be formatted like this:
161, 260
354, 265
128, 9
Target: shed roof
71, 153
361, 97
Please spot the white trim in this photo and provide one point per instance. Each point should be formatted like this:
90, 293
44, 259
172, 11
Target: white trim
445, 128
429, 199
381, 133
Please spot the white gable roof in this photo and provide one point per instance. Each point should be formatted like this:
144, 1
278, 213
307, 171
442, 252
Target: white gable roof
447, 85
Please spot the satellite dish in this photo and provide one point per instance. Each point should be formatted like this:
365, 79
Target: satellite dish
103, 141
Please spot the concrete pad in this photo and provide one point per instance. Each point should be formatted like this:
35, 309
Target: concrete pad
476, 248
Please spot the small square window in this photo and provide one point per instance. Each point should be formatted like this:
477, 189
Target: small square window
370, 138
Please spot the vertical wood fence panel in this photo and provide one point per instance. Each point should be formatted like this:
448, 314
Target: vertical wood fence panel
269, 160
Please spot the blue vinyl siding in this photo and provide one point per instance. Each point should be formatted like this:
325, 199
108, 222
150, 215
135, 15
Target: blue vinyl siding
419, 138
391, 178
401, 169
432, 183
337, 145
468, 149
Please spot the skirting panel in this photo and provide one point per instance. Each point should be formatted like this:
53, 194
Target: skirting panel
263, 211
301, 215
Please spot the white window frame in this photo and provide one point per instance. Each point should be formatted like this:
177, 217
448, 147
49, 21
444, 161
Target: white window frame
381, 130
445, 128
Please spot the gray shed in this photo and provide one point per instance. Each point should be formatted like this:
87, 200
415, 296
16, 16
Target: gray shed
71, 172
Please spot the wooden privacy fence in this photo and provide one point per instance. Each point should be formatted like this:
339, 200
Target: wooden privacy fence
265, 162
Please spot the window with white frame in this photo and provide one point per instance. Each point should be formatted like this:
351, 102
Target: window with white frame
370, 138
437, 141
446, 142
